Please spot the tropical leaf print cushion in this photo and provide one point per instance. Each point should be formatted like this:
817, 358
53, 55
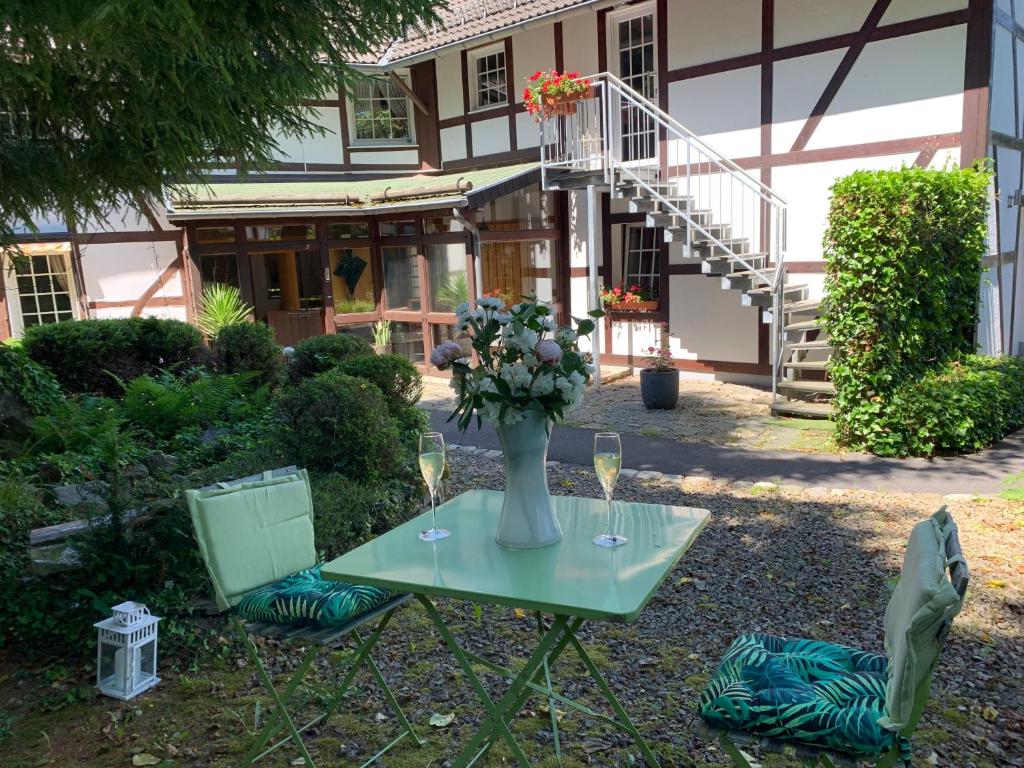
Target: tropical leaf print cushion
308, 598
803, 691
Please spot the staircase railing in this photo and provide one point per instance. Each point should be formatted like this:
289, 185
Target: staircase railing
622, 138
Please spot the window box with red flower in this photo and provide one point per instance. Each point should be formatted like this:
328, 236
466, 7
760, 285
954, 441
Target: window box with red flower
555, 93
632, 298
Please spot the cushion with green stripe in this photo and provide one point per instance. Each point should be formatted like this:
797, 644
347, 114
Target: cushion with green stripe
308, 598
802, 691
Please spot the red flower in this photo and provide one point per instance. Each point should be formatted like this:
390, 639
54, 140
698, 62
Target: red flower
617, 291
536, 76
573, 75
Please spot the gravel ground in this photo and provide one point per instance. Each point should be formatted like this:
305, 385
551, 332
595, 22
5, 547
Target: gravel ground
708, 412
812, 563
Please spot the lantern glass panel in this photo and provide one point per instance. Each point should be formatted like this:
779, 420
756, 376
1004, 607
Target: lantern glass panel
147, 661
110, 675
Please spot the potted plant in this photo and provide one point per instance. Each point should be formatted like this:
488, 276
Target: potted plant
529, 373
659, 380
381, 336
555, 93
631, 299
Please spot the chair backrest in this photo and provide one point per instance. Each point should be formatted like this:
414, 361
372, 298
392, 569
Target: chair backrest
920, 613
253, 531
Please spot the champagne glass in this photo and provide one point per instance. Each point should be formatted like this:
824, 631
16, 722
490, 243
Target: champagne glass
432, 467
607, 463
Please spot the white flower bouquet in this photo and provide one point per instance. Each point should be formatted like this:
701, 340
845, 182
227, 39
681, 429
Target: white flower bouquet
525, 362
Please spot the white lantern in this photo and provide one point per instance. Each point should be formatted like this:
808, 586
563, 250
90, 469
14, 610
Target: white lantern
126, 651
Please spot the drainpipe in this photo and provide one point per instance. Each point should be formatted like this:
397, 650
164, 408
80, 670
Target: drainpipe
474, 244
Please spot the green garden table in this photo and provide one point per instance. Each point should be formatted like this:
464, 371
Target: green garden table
572, 581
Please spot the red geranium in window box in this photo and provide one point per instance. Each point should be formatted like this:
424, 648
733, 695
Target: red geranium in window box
555, 93
632, 298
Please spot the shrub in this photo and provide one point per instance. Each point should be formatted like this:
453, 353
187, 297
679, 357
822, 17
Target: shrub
249, 347
93, 356
336, 422
396, 377
221, 305
321, 353
903, 256
349, 512
962, 406
27, 389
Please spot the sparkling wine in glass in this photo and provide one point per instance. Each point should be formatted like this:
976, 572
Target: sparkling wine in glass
432, 467
607, 463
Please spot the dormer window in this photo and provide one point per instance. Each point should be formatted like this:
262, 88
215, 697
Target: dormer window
381, 111
487, 73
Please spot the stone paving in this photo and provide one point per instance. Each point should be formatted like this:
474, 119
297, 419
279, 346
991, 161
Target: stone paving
708, 412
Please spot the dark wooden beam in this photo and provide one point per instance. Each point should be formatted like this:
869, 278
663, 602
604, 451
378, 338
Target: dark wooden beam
977, 82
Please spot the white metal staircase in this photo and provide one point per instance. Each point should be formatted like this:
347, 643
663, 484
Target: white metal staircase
620, 142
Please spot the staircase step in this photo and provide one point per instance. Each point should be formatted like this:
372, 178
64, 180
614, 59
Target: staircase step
809, 305
800, 408
808, 387
725, 265
807, 365
763, 297
816, 344
805, 325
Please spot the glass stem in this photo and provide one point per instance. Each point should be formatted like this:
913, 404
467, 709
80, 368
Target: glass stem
610, 534
433, 513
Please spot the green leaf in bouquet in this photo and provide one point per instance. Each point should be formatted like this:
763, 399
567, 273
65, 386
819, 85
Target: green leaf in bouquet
584, 327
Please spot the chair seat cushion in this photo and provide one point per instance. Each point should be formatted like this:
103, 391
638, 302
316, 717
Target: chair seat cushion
802, 691
308, 598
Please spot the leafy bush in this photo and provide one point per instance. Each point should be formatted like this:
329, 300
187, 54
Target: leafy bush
903, 256
349, 512
321, 353
93, 356
27, 389
220, 306
249, 347
335, 422
396, 377
962, 406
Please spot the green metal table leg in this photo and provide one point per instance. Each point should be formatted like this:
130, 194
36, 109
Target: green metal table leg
389, 694
362, 653
552, 709
620, 712
496, 713
280, 700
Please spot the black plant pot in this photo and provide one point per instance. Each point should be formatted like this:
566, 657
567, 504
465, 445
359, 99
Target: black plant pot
659, 389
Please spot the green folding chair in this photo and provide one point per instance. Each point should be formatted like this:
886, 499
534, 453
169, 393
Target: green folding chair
256, 538
838, 705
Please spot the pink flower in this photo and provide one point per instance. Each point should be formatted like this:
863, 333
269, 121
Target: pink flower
445, 354
548, 351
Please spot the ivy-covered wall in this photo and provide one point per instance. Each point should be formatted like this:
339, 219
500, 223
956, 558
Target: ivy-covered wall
903, 256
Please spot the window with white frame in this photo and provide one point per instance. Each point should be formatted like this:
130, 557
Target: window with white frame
45, 288
381, 113
641, 256
490, 83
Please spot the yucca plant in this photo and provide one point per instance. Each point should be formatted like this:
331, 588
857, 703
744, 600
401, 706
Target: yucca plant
381, 334
221, 305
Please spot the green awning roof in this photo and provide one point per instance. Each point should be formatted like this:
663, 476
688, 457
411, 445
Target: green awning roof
353, 195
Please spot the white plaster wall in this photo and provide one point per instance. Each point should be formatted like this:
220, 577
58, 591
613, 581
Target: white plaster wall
123, 271
797, 21
1002, 114
453, 143
723, 109
797, 84
449, 86
532, 50
904, 10
325, 148
578, 229
394, 157
579, 43
527, 132
806, 187
490, 136
900, 88
580, 305
700, 31
710, 323
633, 338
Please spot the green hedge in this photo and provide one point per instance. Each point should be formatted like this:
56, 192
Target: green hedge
961, 406
94, 356
249, 347
322, 353
903, 254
